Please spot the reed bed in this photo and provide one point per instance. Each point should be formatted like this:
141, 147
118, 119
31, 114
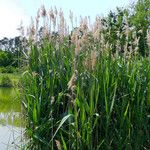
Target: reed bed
85, 88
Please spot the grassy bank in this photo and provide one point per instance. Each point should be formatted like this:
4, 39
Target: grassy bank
86, 90
14, 78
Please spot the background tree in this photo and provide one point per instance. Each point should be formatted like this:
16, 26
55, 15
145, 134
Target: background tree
12, 49
141, 20
6, 58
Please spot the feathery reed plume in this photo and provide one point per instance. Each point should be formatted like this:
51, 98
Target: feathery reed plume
74, 36
58, 145
62, 23
72, 82
43, 11
55, 11
90, 60
78, 47
53, 17
127, 29
37, 21
148, 37
83, 28
51, 14
46, 29
31, 30
97, 28
34, 74
71, 18
43, 14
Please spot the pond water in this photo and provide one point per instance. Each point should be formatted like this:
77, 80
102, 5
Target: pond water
11, 119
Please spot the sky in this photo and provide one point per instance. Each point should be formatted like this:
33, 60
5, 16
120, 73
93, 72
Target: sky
13, 12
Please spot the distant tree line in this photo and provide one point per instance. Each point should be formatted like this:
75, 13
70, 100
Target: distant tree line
11, 51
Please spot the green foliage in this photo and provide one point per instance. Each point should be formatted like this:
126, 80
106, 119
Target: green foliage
6, 82
6, 58
116, 25
8, 69
142, 14
141, 20
135, 20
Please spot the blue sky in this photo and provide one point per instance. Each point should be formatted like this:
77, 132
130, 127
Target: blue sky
12, 12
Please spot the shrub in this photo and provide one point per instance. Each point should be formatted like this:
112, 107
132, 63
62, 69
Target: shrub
7, 69
6, 58
6, 82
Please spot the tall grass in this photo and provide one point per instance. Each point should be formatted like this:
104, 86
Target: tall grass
82, 94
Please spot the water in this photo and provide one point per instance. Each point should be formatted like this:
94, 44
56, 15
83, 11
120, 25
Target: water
11, 126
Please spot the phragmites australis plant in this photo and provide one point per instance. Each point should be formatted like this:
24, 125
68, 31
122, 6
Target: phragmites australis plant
86, 86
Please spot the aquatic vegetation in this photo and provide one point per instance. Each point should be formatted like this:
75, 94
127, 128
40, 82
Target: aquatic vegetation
88, 88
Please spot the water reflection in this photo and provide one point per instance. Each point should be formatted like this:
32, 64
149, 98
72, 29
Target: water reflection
11, 127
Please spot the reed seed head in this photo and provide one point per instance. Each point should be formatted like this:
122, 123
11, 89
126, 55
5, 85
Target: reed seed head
43, 11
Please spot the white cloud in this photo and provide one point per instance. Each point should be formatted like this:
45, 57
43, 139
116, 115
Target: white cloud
11, 15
